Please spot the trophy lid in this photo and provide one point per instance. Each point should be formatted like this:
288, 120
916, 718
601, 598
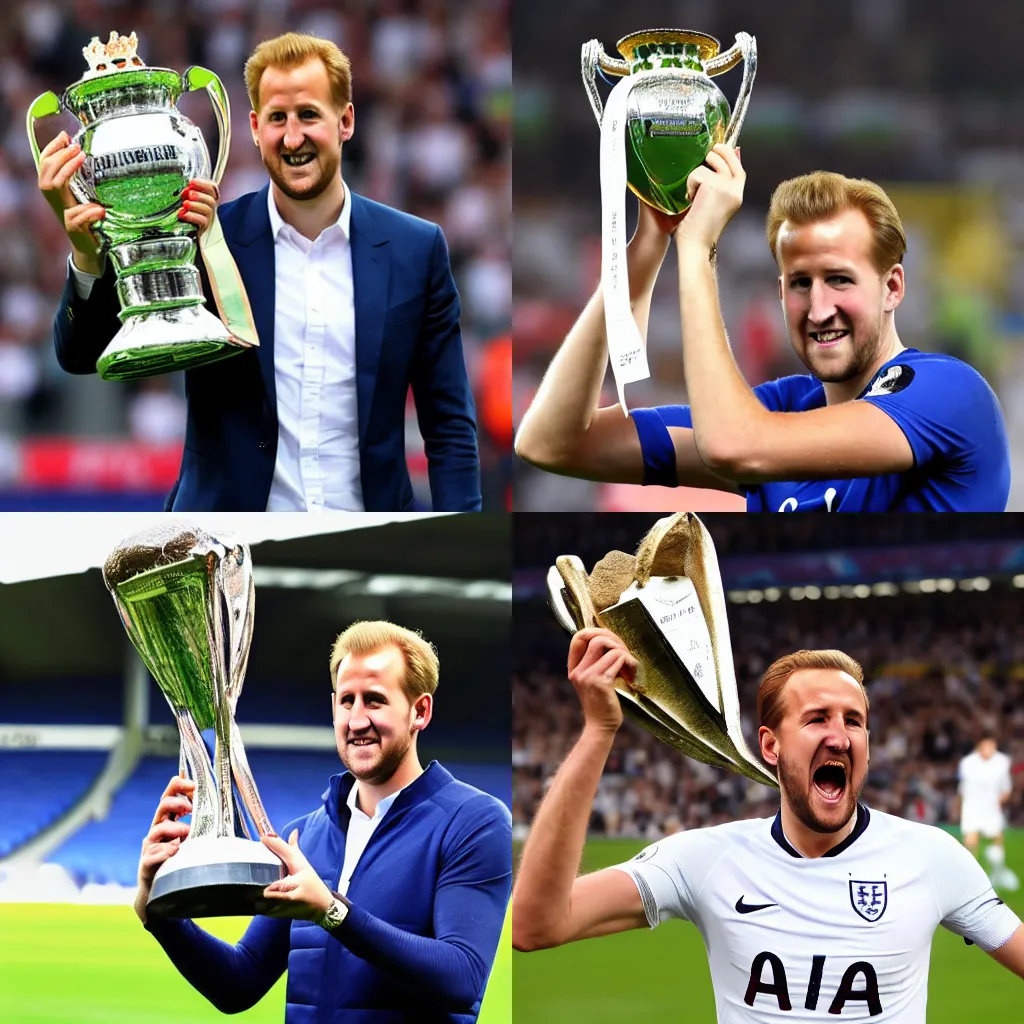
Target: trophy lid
116, 65
657, 40
118, 53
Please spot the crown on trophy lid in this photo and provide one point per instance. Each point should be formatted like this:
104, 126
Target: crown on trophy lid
116, 54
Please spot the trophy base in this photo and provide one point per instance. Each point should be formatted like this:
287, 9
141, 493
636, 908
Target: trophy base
217, 877
165, 341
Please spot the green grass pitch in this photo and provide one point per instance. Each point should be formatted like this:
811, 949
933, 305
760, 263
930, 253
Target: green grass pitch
63, 964
663, 975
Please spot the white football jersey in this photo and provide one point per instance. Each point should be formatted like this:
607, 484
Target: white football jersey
847, 935
983, 782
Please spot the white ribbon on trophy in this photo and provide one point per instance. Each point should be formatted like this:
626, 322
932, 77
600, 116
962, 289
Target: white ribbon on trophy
626, 348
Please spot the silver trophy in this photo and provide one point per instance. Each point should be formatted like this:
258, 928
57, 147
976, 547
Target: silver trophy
667, 604
186, 599
674, 113
141, 152
660, 121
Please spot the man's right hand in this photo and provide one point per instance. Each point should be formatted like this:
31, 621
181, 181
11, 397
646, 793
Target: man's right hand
165, 836
654, 223
58, 162
597, 657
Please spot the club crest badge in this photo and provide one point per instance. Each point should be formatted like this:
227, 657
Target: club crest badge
890, 381
869, 899
647, 853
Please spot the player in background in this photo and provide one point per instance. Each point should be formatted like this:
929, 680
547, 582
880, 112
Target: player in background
985, 786
873, 427
827, 909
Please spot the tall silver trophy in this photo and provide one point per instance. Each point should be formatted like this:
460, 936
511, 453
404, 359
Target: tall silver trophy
667, 604
186, 599
140, 153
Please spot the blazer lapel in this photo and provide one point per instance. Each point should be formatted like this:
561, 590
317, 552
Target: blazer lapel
371, 271
253, 249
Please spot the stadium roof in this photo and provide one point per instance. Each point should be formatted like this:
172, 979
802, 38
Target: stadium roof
435, 571
36, 545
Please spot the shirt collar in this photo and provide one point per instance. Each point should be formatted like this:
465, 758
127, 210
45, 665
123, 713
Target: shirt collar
863, 818
344, 220
383, 806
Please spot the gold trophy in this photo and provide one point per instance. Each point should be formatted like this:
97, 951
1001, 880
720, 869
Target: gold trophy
667, 604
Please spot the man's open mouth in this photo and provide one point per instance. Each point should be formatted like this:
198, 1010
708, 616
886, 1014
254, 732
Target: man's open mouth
829, 337
830, 781
297, 160
363, 741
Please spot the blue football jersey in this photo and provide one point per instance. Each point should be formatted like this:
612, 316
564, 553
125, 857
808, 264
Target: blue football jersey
949, 414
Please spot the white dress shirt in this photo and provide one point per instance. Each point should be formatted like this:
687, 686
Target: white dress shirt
360, 827
317, 465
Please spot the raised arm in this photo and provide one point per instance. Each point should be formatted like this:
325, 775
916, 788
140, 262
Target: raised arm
1011, 953
564, 431
550, 905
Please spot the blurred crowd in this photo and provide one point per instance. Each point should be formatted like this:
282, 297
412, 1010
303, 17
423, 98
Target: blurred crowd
883, 89
432, 88
938, 670
539, 539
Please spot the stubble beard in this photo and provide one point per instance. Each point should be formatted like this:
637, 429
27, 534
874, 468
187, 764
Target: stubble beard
315, 188
862, 355
384, 766
794, 783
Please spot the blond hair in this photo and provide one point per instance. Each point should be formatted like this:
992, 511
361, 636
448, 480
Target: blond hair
291, 51
770, 705
421, 663
824, 194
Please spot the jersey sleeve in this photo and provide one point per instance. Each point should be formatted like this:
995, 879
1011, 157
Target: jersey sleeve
671, 873
944, 407
968, 905
656, 442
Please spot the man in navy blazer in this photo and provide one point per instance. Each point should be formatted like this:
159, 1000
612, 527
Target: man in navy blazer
266, 433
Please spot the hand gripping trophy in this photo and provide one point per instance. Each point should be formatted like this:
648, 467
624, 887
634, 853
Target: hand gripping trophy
140, 153
659, 124
667, 604
186, 600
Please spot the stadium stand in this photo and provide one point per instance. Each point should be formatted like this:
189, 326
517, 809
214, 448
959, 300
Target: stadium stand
38, 787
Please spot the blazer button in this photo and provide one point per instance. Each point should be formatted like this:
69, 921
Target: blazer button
263, 446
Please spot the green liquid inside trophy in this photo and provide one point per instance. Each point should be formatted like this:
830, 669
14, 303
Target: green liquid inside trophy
674, 113
186, 601
667, 604
140, 153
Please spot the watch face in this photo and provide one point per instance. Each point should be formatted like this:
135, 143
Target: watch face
336, 913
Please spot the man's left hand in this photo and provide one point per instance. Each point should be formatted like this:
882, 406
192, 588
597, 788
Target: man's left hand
301, 893
716, 191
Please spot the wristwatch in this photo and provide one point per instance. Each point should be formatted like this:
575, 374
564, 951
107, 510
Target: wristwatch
335, 913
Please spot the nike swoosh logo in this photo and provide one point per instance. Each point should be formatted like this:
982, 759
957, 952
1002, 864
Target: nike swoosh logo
750, 908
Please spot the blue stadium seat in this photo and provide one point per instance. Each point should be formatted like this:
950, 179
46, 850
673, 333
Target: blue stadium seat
38, 787
291, 783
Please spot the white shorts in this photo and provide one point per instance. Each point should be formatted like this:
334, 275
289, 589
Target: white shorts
986, 821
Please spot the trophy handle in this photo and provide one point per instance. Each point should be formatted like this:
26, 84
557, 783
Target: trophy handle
200, 78
42, 106
593, 57
745, 49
